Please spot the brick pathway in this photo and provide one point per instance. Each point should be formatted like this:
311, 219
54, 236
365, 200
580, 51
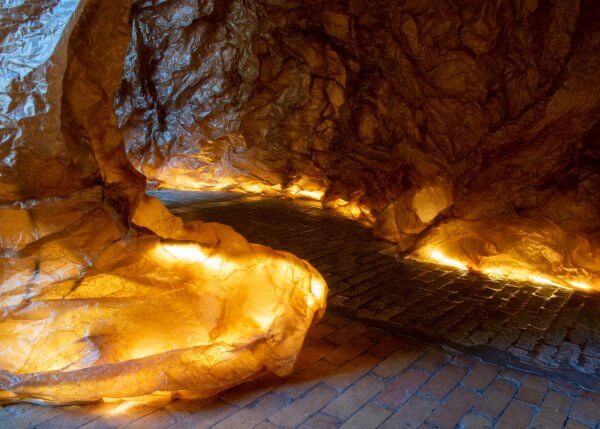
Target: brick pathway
353, 376
544, 328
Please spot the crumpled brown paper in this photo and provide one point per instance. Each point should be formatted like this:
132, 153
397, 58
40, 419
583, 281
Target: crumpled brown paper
103, 293
466, 127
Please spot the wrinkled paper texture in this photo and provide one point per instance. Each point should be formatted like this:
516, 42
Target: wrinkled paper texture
103, 293
466, 128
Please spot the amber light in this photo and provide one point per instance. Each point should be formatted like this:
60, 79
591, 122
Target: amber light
510, 272
299, 189
425, 208
437, 256
181, 318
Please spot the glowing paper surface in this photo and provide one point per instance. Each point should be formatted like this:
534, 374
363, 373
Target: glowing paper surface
103, 293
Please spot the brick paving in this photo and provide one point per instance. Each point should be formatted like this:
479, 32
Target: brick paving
544, 328
351, 374
386, 381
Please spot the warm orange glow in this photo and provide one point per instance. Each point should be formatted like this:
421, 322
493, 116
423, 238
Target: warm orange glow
125, 405
579, 285
161, 316
193, 253
317, 288
517, 273
317, 296
316, 195
299, 189
352, 210
541, 280
184, 252
514, 271
528, 275
122, 408
437, 256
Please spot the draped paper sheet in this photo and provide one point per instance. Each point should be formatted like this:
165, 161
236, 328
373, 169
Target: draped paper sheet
465, 131
103, 293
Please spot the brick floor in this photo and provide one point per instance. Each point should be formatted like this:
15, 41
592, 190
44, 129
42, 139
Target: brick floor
351, 374
421, 386
548, 329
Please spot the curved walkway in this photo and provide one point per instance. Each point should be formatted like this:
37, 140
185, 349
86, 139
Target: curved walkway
542, 328
351, 374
